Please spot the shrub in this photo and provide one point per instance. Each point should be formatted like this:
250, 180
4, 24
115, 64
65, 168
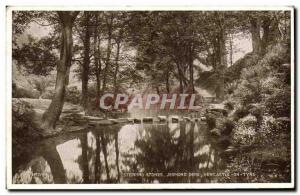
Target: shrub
73, 95
225, 125
257, 110
40, 83
271, 84
211, 121
18, 92
245, 130
48, 94
23, 126
279, 103
241, 112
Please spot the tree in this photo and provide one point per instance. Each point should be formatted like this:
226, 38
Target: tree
52, 114
86, 60
109, 25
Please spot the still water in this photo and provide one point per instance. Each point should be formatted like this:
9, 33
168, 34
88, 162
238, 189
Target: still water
129, 153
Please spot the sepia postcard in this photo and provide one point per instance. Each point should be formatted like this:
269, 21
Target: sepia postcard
150, 98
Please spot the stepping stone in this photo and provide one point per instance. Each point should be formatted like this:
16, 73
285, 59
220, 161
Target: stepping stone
174, 119
102, 122
187, 118
130, 120
203, 118
114, 121
136, 120
148, 120
93, 118
162, 118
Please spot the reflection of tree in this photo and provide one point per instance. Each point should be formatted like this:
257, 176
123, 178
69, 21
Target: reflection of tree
84, 158
116, 135
159, 152
103, 145
103, 140
97, 160
52, 157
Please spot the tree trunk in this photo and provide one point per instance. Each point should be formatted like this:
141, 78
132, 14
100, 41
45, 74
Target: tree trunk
191, 69
255, 33
180, 78
223, 62
52, 114
86, 60
168, 80
116, 69
221, 57
108, 52
231, 49
97, 63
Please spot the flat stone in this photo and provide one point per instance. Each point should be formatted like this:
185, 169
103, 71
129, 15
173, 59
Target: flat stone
203, 118
93, 118
174, 119
123, 120
187, 118
114, 121
162, 118
136, 120
130, 120
102, 122
148, 119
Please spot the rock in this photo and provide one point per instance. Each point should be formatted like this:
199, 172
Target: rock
102, 122
123, 120
70, 111
137, 120
217, 108
162, 118
130, 120
174, 119
202, 118
283, 119
76, 128
215, 132
230, 149
187, 118
271, 166
224, 142
114, 121
148, 120
93, 118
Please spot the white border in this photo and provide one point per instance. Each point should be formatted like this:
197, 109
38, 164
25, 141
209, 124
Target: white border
8, 120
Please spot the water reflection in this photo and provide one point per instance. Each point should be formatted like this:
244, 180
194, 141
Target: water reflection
120, 154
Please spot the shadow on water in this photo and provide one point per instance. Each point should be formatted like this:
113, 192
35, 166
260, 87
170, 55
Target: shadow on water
130, 153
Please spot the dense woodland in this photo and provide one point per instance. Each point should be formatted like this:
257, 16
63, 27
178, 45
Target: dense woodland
157, 51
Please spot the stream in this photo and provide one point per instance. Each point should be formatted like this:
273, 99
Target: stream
163, 152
